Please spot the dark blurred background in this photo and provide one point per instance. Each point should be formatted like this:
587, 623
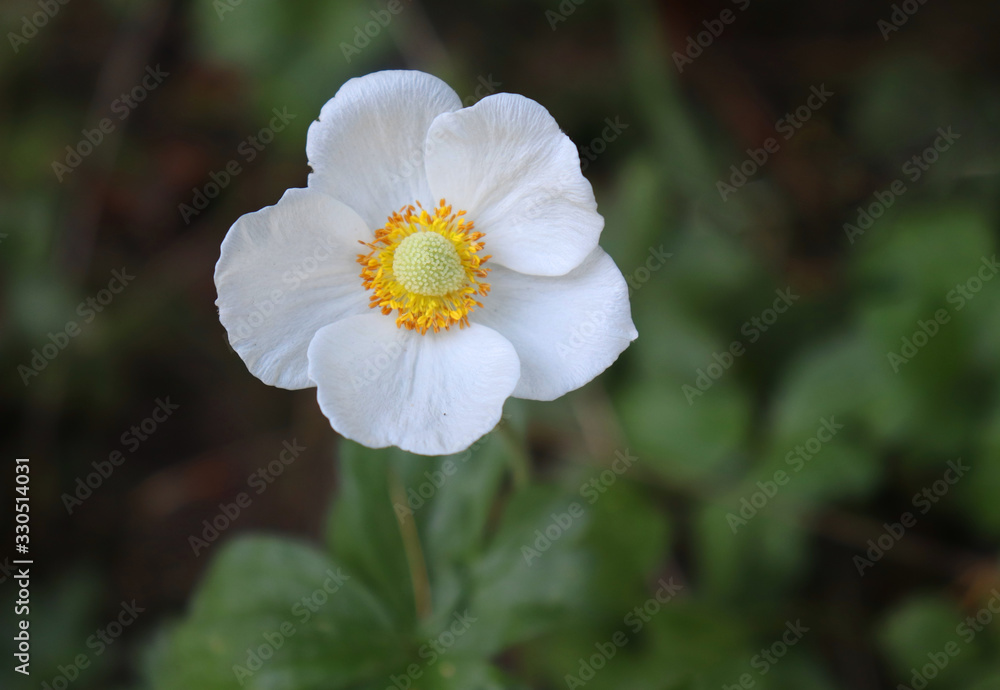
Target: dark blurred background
865, 241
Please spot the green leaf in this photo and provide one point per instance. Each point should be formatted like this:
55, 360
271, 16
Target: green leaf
628, 537
448, 499
447, 672
902, 100
683, 441
908, 255
396, 513
364, 530
759, 559
920, 627
64, 616
453, 525
847, 378
532, 574
273, 613
978, 496
693, 644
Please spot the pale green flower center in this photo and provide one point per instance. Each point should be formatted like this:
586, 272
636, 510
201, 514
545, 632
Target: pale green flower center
427, 263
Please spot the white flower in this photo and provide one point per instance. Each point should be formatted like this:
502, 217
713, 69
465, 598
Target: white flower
480, 275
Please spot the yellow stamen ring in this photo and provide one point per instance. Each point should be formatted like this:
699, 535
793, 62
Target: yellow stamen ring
426, 267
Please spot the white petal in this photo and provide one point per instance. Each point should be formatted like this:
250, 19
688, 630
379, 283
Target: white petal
432, 394
566, 329
367, 148
285, 272
505, 161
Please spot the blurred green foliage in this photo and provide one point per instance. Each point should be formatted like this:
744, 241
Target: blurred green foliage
680, 515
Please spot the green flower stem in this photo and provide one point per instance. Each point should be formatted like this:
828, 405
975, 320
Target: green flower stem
414, 553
